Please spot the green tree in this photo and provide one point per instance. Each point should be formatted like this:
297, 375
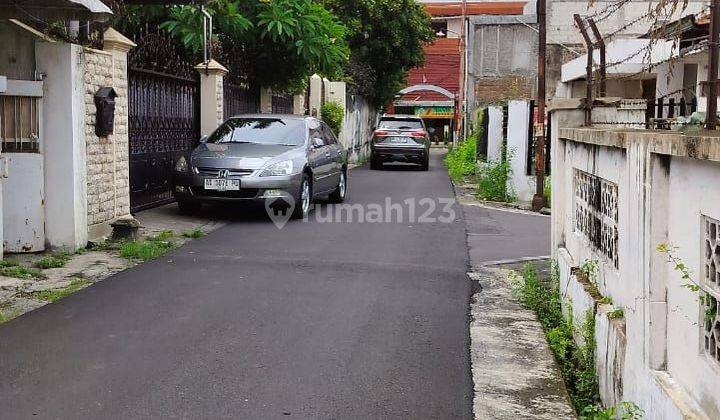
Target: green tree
386, 40
275, 43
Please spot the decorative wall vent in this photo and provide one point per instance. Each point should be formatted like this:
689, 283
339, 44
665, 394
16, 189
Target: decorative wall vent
711, 285
596, 213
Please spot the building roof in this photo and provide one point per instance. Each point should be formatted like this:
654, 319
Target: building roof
61, 9
442, 68
484, 8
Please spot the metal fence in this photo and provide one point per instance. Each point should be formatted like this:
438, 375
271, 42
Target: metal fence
282, 104
660, 111
240, 100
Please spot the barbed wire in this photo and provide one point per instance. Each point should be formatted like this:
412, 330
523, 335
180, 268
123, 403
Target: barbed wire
607, 11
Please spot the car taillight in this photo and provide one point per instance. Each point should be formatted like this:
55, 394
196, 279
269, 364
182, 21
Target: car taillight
381, 133
419, 133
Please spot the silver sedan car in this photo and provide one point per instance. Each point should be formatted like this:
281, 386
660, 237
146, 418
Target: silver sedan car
263, 157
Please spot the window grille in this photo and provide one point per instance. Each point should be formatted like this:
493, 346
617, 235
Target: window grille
710, 284
596, 213
19, 124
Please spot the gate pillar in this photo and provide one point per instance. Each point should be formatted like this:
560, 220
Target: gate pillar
266, 101
211, 95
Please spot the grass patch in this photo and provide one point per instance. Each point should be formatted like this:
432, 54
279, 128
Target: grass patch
149, 248
54, 261
462, 159
577, 362
4, 317
492, 179
194, 234
57, 294
15, 270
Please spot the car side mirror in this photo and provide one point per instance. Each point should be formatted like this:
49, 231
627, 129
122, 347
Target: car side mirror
317, 142
204, 139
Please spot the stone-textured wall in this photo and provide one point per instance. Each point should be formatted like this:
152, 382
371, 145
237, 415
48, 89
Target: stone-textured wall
219, 104
108, 194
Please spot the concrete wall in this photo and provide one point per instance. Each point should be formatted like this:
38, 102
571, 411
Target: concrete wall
654, 355
518, 144
495, 136
502, 60
360, 120
64, 122
17, 55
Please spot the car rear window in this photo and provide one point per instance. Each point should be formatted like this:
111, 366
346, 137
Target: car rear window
398, 124
289, 132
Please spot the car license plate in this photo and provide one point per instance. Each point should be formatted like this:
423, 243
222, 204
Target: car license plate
401, 140
222, 184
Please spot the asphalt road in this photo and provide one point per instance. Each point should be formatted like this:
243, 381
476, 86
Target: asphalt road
317, 320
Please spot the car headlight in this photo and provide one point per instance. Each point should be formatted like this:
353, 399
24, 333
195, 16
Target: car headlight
278, 169
181, 165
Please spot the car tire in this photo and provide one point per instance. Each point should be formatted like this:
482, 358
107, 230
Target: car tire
375, 163
338, 194
189, 207
304, 201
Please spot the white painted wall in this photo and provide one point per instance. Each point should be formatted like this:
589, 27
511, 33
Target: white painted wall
64, 146
655, 354
495, 133
315, 95
517, 144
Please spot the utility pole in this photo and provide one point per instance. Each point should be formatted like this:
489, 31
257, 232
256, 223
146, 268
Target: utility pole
539, 198
461, 112
712, 77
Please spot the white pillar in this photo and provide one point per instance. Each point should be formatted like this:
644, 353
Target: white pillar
315, 95
517, 146
211, 95
64, 147
266, 101
495, 133
299, 104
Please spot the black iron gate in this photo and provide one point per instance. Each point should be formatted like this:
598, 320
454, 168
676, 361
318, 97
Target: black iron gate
164, 119
282, 104
240, 100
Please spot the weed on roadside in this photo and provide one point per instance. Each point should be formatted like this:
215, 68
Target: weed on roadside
577, 362
5, 317
492, 180
194, 234
15, 270
461, 160
54, 261
149, 248
57, 294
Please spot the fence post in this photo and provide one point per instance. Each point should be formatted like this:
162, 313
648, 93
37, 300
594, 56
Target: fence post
211, 95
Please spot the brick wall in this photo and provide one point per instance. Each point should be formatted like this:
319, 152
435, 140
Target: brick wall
108, 194
493, 90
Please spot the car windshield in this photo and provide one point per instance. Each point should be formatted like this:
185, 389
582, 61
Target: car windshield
289, 132
401, 124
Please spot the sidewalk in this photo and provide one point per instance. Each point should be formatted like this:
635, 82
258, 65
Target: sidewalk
514, 373
34, 280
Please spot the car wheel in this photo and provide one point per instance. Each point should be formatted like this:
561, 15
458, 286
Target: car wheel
302, 208
189, 207
338, 195
426, 164
374, 163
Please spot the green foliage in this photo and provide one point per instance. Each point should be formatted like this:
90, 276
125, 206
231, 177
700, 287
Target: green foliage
57, 294
547, 191
679, 266
333, 114
461, 160
492, 178
577, 363
616, 314
15, 270
606, 300
361, 160
590, 269
386, 39
274, 43
148, 249
194, 234
623, 411
54, 261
